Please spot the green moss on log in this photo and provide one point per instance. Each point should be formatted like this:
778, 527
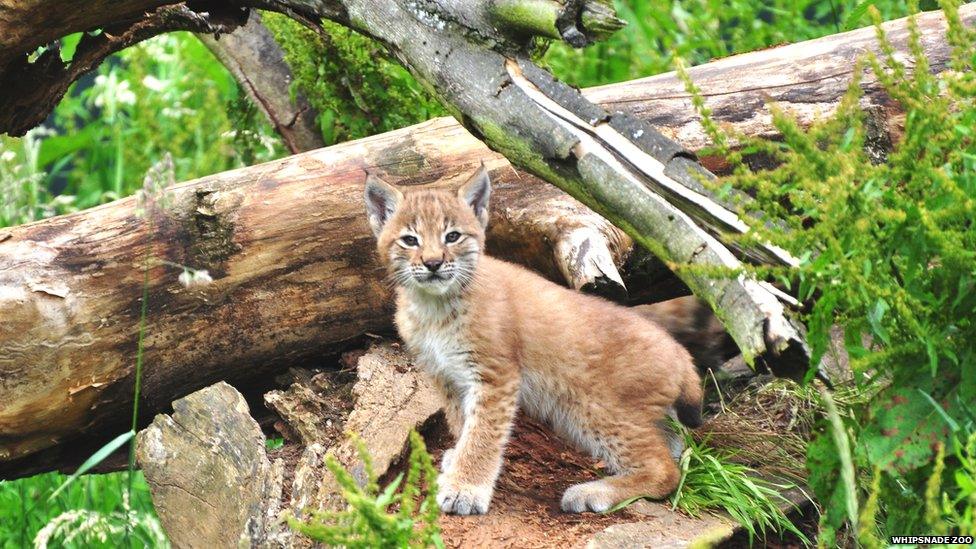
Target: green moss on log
349, 78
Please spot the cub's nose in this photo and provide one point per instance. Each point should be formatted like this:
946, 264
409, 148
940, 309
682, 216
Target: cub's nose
433, 264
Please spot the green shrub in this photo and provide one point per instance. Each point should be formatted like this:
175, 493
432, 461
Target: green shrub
889, 253
386, 518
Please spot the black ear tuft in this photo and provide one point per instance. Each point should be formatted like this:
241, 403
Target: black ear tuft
476, 192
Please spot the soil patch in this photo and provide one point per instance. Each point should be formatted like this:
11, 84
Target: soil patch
525, 510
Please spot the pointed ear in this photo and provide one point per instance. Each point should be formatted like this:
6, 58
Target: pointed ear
382, 200
476, 192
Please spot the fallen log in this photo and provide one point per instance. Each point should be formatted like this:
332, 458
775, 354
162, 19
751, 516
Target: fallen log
288, 247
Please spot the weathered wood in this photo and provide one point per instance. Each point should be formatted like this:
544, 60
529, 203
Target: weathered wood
258, 64
210, 477
389, 398
805, 79
212, 482
291, 255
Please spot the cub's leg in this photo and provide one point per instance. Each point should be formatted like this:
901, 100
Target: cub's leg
471, 468
646, 468
455, 421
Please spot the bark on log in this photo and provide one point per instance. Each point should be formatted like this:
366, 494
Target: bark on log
389, 398
288, 246
26, 25
251, 54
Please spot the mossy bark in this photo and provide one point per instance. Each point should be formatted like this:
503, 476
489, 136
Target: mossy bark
258, 64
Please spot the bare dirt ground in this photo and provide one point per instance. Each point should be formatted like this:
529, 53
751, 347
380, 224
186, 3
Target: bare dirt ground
760, 423
525, 509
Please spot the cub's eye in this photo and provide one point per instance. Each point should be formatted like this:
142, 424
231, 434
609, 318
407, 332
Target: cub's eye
452, 236
409, 240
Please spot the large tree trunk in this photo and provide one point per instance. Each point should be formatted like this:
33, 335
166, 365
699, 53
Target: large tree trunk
292, 259
258, 64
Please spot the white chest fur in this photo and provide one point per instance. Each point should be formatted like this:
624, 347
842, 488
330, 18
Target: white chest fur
435, 334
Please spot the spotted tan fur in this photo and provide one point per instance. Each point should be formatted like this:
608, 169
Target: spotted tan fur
496, 338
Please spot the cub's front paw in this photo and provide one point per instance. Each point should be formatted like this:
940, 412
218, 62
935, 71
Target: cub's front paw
462, 499
594, 496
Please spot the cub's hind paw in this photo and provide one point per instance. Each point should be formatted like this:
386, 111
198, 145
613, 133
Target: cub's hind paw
462, 499
593, 496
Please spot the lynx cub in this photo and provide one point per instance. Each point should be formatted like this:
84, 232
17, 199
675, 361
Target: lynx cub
497, 338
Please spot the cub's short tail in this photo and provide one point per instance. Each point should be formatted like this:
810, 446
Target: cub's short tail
688, 406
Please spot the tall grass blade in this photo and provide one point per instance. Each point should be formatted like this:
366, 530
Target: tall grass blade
94, 460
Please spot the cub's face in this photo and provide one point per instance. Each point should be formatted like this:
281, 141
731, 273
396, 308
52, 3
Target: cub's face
430, 239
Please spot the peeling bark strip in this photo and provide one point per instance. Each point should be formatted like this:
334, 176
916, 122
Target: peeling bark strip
298, 280
664, 165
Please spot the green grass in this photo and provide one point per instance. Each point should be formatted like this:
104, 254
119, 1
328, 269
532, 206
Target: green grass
711, 479
700, 30
26, 508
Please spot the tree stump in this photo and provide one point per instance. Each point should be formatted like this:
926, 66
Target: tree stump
211, 480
